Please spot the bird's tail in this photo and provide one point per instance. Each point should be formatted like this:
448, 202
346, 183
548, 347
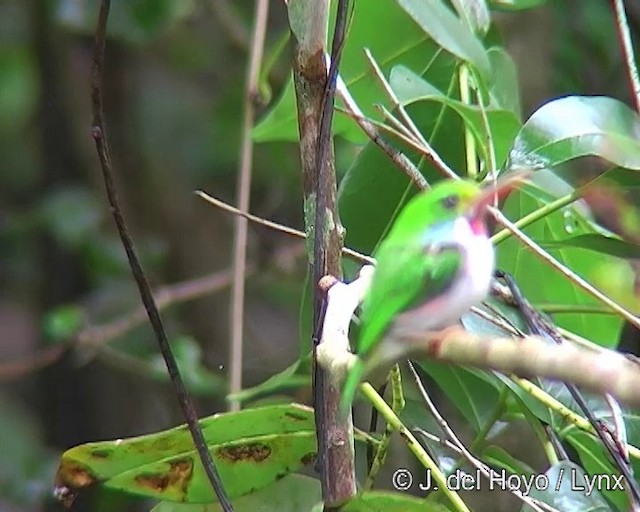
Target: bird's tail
351, 386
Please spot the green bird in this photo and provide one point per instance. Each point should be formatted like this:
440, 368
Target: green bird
436, 262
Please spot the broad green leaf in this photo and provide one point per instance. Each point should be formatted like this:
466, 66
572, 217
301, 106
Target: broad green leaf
374, 188
595, 461
292, 493
615, 278
474, 393
503, 82
251, 449
498, 457
411, 88
576, 126
377, 501
446, 29
524, 400
598, 243
542, 284
566, 490
400, 41
475, 13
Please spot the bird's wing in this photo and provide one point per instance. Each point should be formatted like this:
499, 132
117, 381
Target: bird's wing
406, 275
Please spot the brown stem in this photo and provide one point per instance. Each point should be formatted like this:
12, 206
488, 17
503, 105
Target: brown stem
100, 138
315, 98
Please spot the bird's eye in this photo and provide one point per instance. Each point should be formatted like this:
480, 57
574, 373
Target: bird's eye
450, 202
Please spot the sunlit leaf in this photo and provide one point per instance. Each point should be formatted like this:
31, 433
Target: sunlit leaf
503, 124
376, 501
503, 82
475, 13
251, 449
448, 31
292, 493
542, 284
598, 243
576, 126
566, 490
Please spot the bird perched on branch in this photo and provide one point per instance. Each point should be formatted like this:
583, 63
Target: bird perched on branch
436, 262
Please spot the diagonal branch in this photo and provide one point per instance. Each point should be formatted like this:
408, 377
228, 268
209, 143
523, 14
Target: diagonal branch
100, 138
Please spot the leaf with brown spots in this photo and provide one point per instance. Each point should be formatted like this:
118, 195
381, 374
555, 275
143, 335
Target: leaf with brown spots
252, 448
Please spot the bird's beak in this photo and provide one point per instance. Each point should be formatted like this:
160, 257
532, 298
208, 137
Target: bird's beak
491, 194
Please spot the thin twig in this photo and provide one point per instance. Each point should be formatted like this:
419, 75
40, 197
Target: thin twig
461, 448
355, 255
397, 157
431, 154
12, 370
165, 296
244, 189
100, 138
627, 49
232, 24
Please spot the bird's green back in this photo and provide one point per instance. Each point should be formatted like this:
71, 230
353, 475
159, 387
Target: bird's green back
408, 270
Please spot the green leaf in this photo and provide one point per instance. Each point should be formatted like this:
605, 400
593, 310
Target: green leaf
377, 501
473, 392
598, 243
251, 448
374, 188
292, 493
503, 82
566, 490
401, 41
526, 401
542, 284
475, 13
446, 29
516, 5
577, 126
498, 457
287, 378
411, 88
595, 460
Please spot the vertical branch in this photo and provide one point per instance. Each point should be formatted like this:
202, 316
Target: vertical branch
244, 189
100, 137
315, 93
627, 50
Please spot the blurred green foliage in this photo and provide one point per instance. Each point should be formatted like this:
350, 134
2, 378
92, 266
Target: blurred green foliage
175, 80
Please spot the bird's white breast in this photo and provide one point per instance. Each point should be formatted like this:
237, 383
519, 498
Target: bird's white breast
469, 288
